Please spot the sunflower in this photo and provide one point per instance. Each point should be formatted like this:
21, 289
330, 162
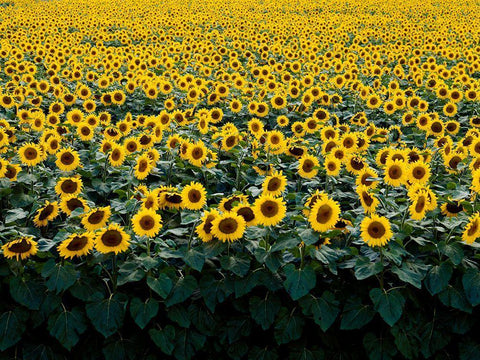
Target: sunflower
76, 245
22, 248
307, 166
368, 200
48, 212
365, 177
117, 155
112, 239
419, 206
228, 227
324, 214
227, 204
30, 154
143, 167
472, 230
171, 199
197, 153
418, 172
70, 203
69, 186
376, 230
194, 196
317, 195
332, 165
274, 184
147, 223
67, 159
204, 229
245, 210
451, 209
269, 210
12, 171
395, 173
96, 218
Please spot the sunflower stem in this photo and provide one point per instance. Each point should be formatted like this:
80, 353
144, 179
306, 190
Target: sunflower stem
302, 263
115, 272
381, 275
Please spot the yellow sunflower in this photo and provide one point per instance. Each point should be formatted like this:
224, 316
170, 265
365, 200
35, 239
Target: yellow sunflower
274, 184
76, 245
70, 203
96, 218
245, 210
30, 154
147, 223
204, 229
67, 159
376, 230
228, 227
307, 165
143, 167
117, 155
22, 248
194, 196
48, 212
395, 173
112, 239
69, 186
472, 230
324, 214
269, 210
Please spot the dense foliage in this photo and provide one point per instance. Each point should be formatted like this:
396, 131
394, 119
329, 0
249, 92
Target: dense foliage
241, 179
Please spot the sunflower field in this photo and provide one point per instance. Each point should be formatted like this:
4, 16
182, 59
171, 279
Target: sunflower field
254, 179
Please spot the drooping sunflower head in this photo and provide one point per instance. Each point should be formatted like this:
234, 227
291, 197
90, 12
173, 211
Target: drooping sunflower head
20, 248
48, 212
204, 229
227, 203
96, 218
70, 203
76, 245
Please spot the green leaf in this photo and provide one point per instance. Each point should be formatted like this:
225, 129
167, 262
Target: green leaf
285, 241
388, 304
188, 342
11, 328
164, 338
182, 290
288, 327
194, 259
471, 284
15, 215
66, 326
455, 298
59, 277
27, 293
438, 277
262, 353
107, 315
162, 286
453, 250
179, 314
264, 310
299, 282
405, 341
237, 264
411, 273
143, 311
381, 348
364, 268
324, 309
309, 237
356, 315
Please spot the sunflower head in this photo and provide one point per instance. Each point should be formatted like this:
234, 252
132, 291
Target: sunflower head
76, 245
376, 230
112, 239
20, 248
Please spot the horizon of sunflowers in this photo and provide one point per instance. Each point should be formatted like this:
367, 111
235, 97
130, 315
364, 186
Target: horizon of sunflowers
295, 135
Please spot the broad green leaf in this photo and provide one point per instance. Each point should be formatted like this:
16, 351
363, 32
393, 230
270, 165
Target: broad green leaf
15, 215
324, 309
455, 298
164, 338
67, 326
107, 315
162, 286
188, 342
471, 284
299, 282
143, 311
411, 273
438, 277
388, 304
264, 310
27, 293
288, 327
236, 264
194, 259
59, 277
364, 268
355, 315
182, 290
12, 328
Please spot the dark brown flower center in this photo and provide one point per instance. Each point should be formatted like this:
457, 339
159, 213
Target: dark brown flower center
274, 184
376, 230
96, 217
228, 226
194, 196
324, 214
269, 208
395, 172
77, 243
46, 212
147, 222
112, 238
20, 247
67, 158
31, 153
69, 186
